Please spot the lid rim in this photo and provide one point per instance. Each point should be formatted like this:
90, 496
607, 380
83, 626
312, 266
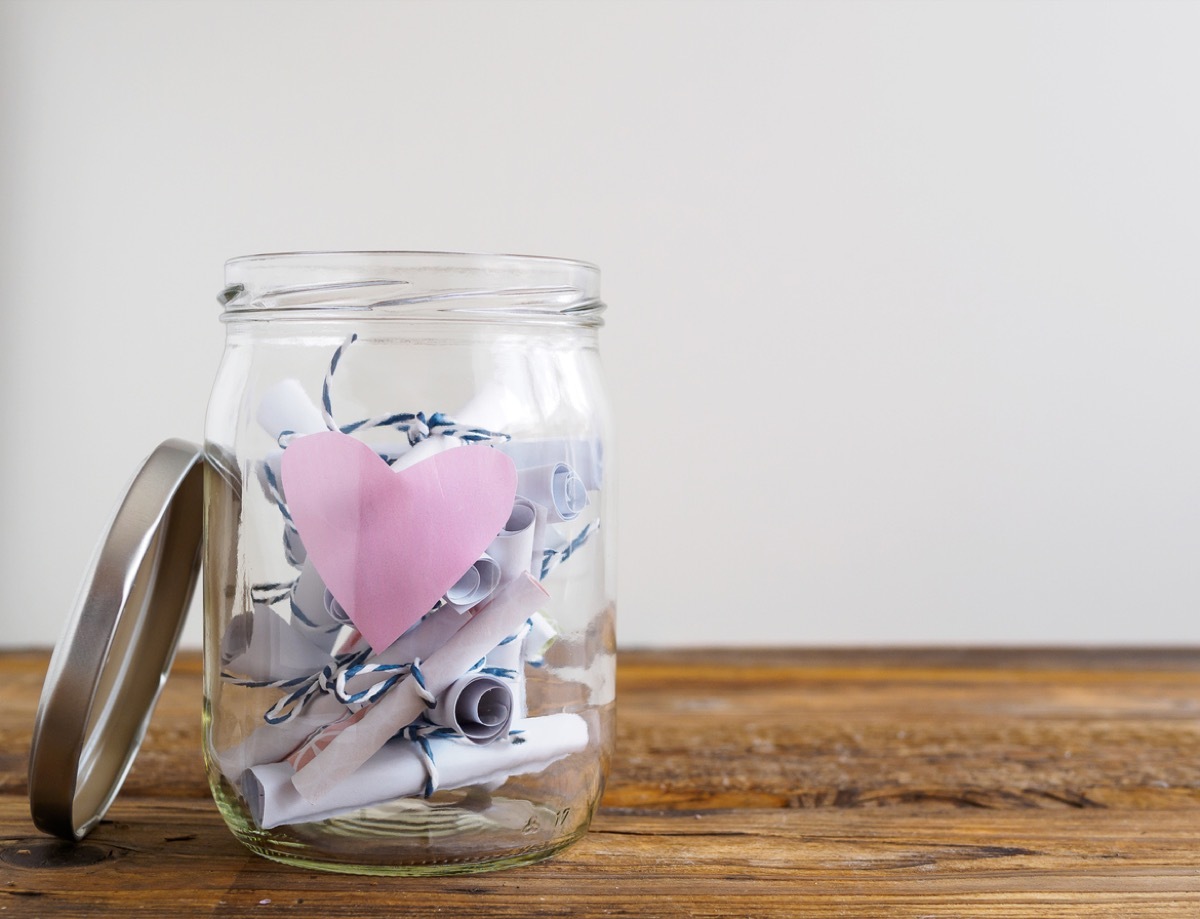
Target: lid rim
157, 523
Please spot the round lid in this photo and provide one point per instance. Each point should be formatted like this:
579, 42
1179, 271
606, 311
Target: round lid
109, 666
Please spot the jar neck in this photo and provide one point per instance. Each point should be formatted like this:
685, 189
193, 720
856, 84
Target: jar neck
412, 285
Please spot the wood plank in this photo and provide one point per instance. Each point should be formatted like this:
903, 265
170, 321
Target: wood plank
746, 783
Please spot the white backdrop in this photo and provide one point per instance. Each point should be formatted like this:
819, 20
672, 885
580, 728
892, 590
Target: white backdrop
903, 331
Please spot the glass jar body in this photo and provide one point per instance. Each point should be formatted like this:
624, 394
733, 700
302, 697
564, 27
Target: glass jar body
357, 466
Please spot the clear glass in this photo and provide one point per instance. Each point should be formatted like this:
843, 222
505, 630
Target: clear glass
412, 445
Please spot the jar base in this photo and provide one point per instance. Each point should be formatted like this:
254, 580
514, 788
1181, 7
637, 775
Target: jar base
432, 869
411, 838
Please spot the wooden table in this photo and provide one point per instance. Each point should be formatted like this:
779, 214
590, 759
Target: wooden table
747, 783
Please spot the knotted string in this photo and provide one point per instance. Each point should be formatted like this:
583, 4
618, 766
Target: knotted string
416, 425
332, 679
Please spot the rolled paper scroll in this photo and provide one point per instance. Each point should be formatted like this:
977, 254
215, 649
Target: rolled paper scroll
319, 740
479, 583
585, 457
517, 546
270, 743
430, 446
526, 646
287, 407
555, 487
493, 407
478, 706
397, 770
259, 645
502, 616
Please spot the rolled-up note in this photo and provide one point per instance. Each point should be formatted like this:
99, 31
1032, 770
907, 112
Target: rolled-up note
555, 487
585, 457
517, 548
430, 446
260, 646
270, 743
479, 583
528, 646
397, 770
477, 706
502, 616
493, 408
287, 407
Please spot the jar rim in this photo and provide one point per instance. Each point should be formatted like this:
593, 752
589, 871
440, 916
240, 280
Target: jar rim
411, 284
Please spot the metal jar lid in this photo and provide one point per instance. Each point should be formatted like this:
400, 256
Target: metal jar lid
110, 664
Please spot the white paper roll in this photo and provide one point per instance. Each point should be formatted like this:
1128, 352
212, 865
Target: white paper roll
430, 446
270, 743
396, 771
516, 548
535, 636
479, 583
556, 488
487, 627
287, 407
585, 457
477, 706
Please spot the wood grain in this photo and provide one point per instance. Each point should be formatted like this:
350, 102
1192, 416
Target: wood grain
936, 783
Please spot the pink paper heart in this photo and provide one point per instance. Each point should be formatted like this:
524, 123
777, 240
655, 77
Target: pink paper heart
389, 544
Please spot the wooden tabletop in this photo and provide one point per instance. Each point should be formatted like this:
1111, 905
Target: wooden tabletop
746, 783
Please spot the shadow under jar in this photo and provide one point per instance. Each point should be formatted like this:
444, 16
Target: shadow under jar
408, 588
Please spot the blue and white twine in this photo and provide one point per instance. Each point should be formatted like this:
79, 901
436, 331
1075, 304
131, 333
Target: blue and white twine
552, 558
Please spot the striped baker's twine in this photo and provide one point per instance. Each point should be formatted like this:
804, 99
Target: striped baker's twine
552, 558
271, 593
326, 402
416, 425
419, 734
332, 678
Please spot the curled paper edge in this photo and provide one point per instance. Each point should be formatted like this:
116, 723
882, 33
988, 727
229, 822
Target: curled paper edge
518, 545
555, 487
477, 584
285, 406
585, 457
477, 706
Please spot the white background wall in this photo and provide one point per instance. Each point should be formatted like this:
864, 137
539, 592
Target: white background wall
913, 286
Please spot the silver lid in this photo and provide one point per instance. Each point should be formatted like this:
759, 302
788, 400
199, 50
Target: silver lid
110, 664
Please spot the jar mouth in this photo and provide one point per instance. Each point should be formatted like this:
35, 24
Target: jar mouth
438, 285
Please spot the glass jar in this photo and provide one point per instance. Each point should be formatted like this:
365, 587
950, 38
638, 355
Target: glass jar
409, 599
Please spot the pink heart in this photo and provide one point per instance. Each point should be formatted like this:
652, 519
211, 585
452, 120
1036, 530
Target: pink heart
389, 544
